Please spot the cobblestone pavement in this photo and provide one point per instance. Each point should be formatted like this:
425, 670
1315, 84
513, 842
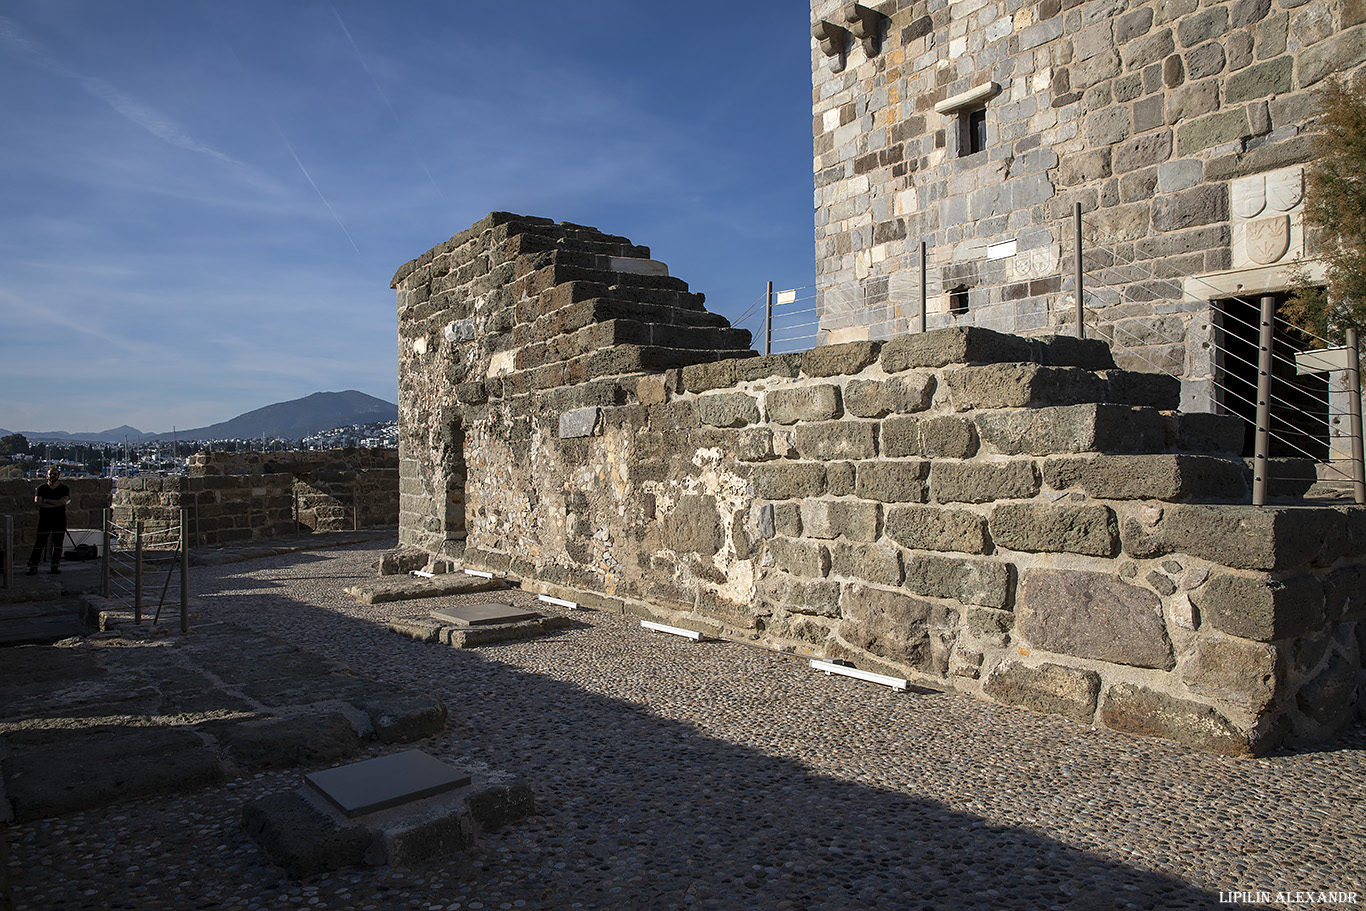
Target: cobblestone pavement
673, 774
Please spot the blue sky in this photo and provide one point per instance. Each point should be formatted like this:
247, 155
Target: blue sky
203, 203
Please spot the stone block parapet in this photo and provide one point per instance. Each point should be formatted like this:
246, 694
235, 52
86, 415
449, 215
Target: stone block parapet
1012, 518
235, 497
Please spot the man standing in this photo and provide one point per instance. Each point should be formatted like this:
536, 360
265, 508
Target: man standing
52, 498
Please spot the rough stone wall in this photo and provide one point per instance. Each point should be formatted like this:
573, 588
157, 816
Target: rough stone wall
250, 496
89, 497
509, 321
1012, 518
1177, 125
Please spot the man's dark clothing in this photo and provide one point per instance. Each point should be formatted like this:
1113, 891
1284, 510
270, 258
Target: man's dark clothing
51, 525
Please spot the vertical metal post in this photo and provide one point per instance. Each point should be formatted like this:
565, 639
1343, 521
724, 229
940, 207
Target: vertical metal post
1076, 249
137, 572
184, 570
104, 554
1354, 418
9, 551
1263, 439
355, 507
768, 321
924, 285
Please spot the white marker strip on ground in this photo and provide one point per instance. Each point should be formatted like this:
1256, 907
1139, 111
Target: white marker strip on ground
895, 683
480, 573
661, 628
560, 601
422, 574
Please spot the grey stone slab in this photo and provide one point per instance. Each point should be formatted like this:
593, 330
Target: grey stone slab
389, 781
483, 614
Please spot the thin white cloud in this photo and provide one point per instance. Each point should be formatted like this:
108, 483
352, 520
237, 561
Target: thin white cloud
160, 125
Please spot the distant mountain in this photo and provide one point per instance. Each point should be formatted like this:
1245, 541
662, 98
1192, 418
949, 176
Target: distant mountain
116, 435
297, 419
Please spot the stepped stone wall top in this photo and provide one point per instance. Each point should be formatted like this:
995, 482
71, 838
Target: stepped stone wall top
1014, 518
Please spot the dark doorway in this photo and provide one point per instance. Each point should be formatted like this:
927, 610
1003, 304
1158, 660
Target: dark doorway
1299, 404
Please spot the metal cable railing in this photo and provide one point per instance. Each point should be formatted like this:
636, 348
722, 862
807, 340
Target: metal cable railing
129, 552
1296, 416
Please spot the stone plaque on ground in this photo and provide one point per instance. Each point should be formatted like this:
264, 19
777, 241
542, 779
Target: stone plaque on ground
483, 614
378, 784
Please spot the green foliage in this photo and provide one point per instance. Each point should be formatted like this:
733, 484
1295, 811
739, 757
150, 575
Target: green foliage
14, 444
1335, 202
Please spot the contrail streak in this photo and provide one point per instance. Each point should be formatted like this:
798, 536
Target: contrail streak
309, 178
385, 98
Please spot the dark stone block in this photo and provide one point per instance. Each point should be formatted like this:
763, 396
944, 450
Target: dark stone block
306, 740
1260, 607
1147, 713
1089, 530
1050, 688
897, 627
302, 839
1093, 615
983, 482
955, 345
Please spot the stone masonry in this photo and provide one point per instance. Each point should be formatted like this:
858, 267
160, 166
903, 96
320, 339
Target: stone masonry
1013, 518
977, 125
249, 496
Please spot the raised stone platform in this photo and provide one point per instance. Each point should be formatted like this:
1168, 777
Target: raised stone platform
410, 588
405, 808
192, 711
467, 626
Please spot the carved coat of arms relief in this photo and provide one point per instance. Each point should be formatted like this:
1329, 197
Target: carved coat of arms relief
1267, 218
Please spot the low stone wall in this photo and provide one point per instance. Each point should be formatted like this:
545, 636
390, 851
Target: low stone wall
89, 498
248, 496
1010, 518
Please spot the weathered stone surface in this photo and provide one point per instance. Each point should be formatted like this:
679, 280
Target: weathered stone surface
1260, 607
893, 481
403, 717
1093, 615
834, 360
799, 557
1138, 710
1239, 536
1143, 151
806, 403
983, 482
55, 772
904, 394
1159, 477
1018, 385
693, 525
727, 410
955, 345
990, 625
837, 440
856, 520
1089, 530
301, 838
800, 596
582, 422
1246, 675
1195, 135
1340, 52
875, 563
937, 528
1344, 593
947, 437
306, 740
1196, 206
1075, 428
906, 630
1270, 78
776, 481
1050, 688
1330, 699
982, 582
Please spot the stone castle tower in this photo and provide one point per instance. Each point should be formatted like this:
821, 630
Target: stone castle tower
979, 126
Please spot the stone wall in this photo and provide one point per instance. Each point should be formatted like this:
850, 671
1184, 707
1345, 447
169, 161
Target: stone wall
249, 496
1177, 125
89, 498
1016, 519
